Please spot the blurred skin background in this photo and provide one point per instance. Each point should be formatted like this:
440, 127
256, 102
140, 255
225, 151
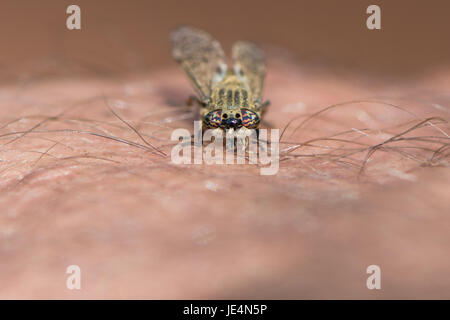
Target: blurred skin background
124, 36
140, 227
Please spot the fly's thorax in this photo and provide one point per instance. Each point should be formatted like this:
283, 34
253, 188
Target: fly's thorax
231, 97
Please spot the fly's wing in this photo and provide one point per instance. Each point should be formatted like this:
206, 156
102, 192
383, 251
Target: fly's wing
200, 56
249, 63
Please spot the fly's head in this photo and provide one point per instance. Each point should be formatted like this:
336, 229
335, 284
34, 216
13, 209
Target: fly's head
236, 119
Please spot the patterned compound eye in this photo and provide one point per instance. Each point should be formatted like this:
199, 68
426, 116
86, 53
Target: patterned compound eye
213, 118
250, 119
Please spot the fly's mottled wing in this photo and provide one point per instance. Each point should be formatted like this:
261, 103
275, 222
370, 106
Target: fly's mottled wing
200, 56
249, 63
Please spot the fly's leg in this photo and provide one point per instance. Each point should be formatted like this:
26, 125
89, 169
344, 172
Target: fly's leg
264, 106
200, 102
193, 99
195, 103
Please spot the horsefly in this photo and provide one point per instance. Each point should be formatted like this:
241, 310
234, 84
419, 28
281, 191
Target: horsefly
229, 98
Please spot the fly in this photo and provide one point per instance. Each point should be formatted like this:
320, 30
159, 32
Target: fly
230, 98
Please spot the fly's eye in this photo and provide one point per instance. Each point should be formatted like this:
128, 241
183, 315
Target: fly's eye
225, 116
250, 119
213, 118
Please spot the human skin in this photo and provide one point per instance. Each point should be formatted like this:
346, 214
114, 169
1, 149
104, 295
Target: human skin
142, 227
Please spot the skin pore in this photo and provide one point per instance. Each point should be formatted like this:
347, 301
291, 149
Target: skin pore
364, 182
